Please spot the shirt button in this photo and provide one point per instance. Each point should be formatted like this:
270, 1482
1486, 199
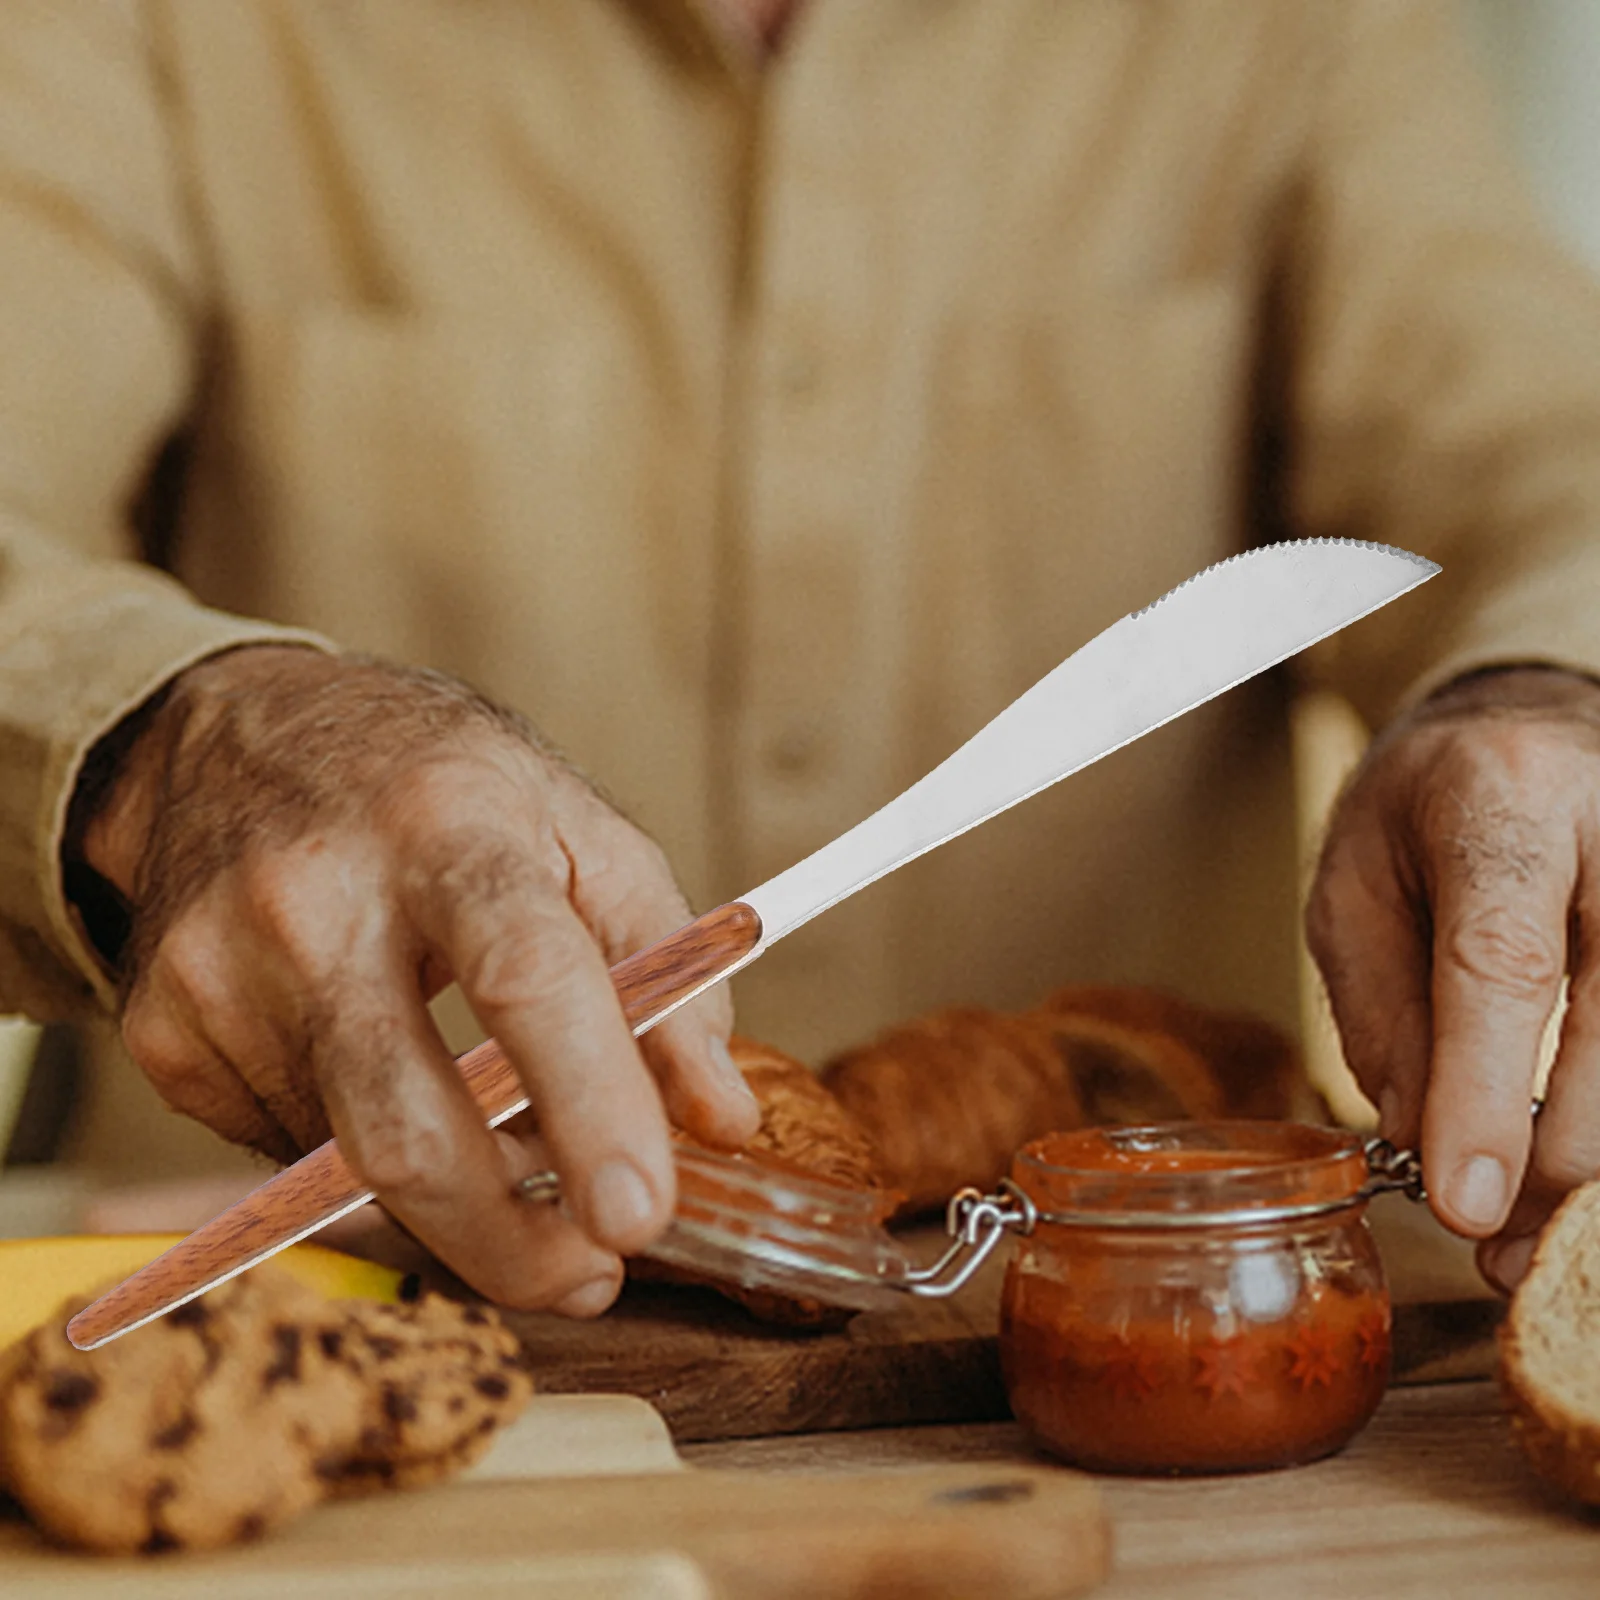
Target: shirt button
798, 372
793, 753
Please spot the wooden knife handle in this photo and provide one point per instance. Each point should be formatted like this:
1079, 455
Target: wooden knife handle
646, 984
321, 1186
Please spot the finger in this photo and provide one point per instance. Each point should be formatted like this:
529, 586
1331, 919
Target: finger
537, 981
539, 985
1371, 947
238, 994
526, 1155
1501, 894
1505, 1258
705, 1092
1566, 1133
168, 1046
409, 1127
593, 1298
1566, 1137
629, 904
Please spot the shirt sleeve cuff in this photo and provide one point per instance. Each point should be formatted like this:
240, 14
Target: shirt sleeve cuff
67, 678
1533, 623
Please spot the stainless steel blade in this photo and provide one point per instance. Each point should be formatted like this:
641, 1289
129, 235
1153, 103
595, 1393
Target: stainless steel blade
1220, 627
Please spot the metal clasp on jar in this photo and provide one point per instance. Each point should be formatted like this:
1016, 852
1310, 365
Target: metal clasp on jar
1393, 1170
976, 1222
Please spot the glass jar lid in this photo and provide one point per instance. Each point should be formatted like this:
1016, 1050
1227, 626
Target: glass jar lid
763, 1226
1192, 1174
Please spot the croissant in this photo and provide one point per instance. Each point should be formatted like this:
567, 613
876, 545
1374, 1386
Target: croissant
1124, 1073
1255, 1066
948, 1099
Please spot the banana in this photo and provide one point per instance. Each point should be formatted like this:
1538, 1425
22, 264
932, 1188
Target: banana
37, 1275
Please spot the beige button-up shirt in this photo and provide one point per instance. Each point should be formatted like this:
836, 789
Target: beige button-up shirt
761, 431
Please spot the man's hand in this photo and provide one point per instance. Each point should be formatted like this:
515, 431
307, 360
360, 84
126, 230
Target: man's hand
1460, 881
313, 848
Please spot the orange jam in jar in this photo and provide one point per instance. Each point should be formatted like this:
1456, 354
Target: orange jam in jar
1201, 1297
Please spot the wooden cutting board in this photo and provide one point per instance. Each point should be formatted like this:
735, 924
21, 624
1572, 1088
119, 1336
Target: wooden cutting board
716, 1373
584, 1498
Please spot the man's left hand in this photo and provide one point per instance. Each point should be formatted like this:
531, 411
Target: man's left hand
1459, 883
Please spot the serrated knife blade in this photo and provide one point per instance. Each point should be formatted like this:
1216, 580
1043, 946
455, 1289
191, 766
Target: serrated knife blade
1228, 623
1224, 625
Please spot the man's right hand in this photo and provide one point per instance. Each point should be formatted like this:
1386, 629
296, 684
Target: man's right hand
314, 847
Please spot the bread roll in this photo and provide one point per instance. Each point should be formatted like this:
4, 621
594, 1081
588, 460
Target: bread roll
1549, 1366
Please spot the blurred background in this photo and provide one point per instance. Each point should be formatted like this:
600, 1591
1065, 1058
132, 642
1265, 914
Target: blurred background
1544, 57
67, 1134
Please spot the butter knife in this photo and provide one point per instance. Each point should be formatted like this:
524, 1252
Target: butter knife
1220, 627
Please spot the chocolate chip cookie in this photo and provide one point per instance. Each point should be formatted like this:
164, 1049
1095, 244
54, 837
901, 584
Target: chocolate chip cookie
235, 1413
440, 1379
201, 1429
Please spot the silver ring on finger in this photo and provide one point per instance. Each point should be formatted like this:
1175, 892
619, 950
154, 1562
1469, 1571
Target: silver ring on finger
542, 1188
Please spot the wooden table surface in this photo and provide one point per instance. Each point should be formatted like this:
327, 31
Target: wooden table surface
1430, 1501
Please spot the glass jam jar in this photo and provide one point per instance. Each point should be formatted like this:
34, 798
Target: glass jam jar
1192, 1297
1199, 1297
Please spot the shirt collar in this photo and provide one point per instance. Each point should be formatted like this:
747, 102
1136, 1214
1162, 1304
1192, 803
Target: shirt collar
722, 30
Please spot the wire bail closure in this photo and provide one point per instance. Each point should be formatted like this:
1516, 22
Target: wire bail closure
1393, 1171
976, 1223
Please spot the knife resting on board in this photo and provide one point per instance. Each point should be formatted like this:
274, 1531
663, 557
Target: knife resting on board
1224, 625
